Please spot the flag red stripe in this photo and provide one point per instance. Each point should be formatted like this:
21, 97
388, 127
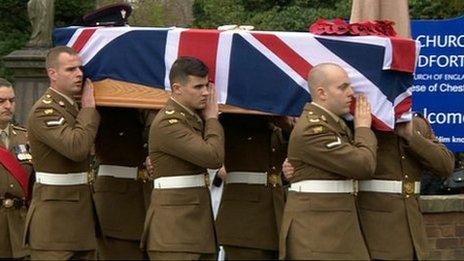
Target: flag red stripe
83, 38
202, 44
285, 53
402, 107
404, 54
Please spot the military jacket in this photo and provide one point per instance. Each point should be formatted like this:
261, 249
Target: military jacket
120, 202
12, 220
61, 137
325, 225
181, 220
250, 215
401, 232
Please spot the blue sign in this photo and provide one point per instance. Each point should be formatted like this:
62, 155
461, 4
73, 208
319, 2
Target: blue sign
438, 91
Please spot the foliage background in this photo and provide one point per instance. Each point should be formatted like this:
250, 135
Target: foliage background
289, 15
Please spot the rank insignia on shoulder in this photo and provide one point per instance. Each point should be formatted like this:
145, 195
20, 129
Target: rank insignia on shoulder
334, 143
47, 101
16, 127
313, 120
55, 123
183, 114
61, 103
48, 111
323, 118
310, 112
316, 129
172, 121
169, 112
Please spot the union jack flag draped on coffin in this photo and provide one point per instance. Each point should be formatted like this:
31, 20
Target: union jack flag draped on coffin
264, 71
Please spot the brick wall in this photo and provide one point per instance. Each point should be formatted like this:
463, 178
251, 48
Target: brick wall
444, 224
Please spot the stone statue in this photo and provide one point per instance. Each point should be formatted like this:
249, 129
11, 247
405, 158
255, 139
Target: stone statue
41, 15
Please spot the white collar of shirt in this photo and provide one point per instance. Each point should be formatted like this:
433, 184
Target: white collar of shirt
70, 100
335, 117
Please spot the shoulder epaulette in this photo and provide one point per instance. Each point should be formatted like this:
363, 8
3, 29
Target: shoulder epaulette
18, 128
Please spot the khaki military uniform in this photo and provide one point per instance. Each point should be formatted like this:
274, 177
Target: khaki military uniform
325, 225
121, 202
61, 218
401, 232
249, 217
13, 217
180, 219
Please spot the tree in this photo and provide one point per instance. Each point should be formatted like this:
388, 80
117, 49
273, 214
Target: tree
15, 27
297, 15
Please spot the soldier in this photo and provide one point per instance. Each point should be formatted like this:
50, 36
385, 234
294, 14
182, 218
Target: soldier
15, 173
392, 196
60, 222
185, 139
320, 219
121, 186
248, 222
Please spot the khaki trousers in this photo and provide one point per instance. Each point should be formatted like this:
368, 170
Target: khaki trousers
156, 255
244, 253
120, 249
63, 255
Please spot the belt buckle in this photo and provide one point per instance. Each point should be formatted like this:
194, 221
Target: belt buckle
355, 187
207, 179
273, 180
142, 174
408, 188
91, 176
8, 203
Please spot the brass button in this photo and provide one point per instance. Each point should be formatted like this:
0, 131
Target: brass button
11, 186
273, 168
403, 157
8, 203
273, 149
408, 188
406, 176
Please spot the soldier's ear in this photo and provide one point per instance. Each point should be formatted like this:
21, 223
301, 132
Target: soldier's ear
321, 93
176, 88
52, 74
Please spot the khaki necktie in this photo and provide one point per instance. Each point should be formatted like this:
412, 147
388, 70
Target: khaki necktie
4, 138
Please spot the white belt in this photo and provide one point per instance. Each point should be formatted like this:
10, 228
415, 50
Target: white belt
247, 177
325, 186
389, 186
118, 171
61, 179
188, 181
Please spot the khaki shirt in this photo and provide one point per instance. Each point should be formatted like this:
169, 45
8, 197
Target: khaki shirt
325, 225
401, 232
61, 137
12, 220
250, 214
180, 143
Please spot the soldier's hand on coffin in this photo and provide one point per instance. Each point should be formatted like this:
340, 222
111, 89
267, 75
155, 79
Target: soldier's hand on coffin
222, 173
212, 108
88, 99
362, 112
404, 130
287, 169
149, 166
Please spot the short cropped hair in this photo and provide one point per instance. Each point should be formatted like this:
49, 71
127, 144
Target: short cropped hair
319, 74
5, 83
185, 66
51, 61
